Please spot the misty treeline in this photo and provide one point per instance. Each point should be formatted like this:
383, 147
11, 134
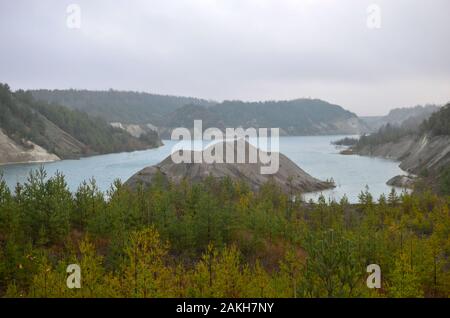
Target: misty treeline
119, 106
25, 119
438, 124
295, 117
217, 238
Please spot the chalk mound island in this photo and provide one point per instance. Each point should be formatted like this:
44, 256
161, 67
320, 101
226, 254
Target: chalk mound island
289, 176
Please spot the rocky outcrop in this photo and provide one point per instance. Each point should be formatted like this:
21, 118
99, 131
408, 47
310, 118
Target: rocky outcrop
402, 181
289, 176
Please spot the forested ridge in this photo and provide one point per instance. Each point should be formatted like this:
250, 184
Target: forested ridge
119, 106
217, 239
293, 117
24, 119
439, 123
302, 116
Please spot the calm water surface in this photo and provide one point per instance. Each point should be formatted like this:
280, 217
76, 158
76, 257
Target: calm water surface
314, 154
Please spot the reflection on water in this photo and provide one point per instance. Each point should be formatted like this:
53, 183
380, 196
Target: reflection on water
314, 154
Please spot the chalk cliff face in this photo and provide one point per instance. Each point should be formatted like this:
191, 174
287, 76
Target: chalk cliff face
11, 152
136, 130
416, 153
289, 176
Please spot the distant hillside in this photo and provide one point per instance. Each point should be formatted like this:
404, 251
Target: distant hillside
399, 115
295, 117
119, 106
423, 149
38, 131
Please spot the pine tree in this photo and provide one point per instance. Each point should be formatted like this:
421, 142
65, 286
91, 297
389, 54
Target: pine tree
404, 280
145, 271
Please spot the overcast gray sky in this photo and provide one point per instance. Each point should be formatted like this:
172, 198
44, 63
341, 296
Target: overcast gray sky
235, 49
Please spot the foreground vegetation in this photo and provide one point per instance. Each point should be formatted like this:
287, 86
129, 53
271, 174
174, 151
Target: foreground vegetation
217, 239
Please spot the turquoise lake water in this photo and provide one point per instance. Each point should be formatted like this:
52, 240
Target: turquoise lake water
314, 154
